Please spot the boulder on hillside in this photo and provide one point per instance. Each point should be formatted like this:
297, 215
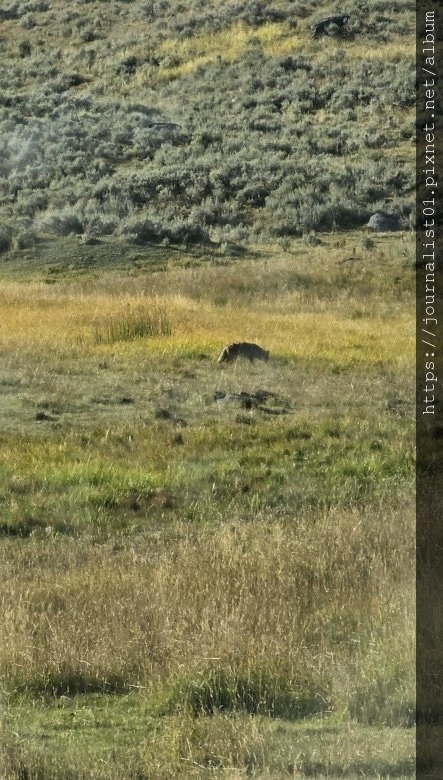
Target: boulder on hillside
382, 222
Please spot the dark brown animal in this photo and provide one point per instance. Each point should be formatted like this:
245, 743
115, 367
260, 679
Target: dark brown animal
325, 26
243, 349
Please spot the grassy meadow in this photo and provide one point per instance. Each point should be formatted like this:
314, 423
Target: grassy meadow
206, 570
193, 586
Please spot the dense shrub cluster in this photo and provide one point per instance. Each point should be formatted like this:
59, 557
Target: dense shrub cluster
189, 17
262, 145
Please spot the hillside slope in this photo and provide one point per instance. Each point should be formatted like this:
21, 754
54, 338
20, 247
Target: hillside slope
154, 121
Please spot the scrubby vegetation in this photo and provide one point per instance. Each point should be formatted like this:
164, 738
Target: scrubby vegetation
206, 570
202, 122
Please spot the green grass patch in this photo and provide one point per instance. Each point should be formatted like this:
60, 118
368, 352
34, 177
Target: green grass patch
120, 736
270, 463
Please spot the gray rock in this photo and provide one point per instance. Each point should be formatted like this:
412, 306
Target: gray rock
382, 222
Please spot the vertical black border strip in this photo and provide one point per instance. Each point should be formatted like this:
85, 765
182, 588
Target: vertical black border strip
429, 388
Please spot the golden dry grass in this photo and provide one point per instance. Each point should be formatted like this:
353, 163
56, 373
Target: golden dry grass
62, 322
263, 592
314, 306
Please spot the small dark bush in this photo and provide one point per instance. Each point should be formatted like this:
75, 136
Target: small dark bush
5, 242
128, 65
61, 224
25, 48
149, 232
25, 240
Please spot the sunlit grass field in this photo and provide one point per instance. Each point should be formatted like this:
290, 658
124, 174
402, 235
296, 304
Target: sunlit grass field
273, 38
193, 585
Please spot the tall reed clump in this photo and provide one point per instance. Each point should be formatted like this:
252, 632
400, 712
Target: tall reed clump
136, 321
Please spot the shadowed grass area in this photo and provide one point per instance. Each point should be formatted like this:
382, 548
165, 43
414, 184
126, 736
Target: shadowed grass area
253, 691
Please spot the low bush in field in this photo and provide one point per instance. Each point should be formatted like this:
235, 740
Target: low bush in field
142, 231
62, 224
5, 241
